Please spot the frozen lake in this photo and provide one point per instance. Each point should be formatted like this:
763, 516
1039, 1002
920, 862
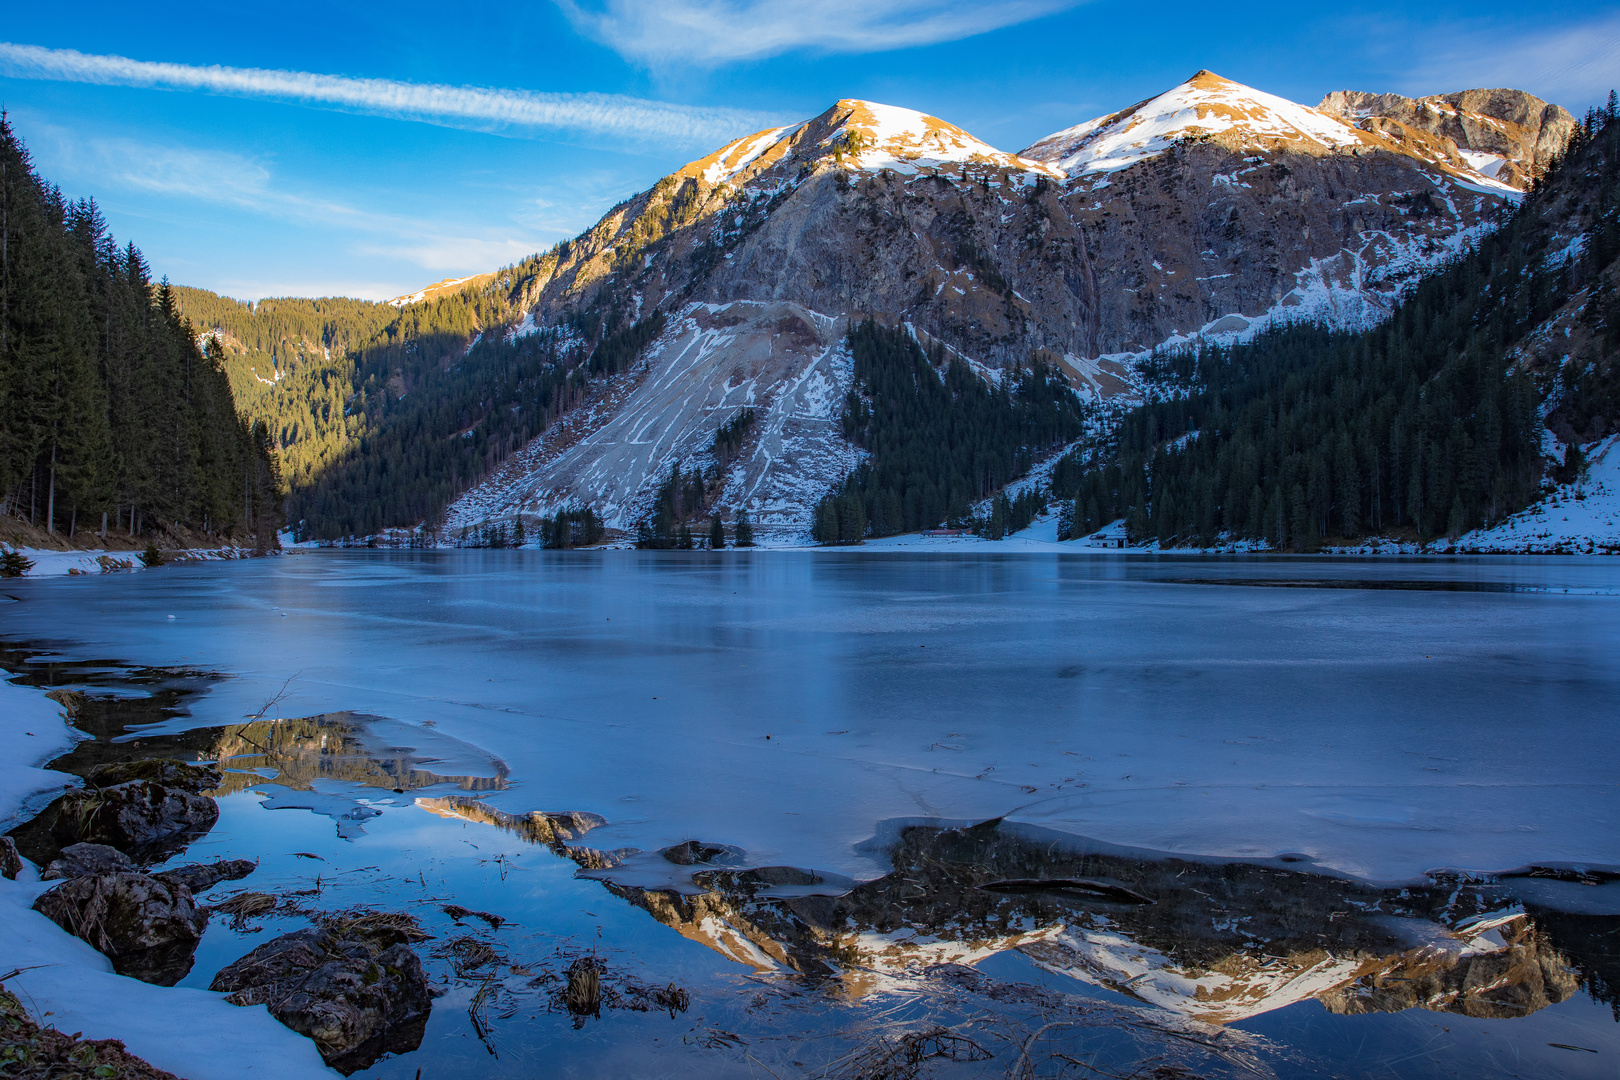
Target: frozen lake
1375, 742
1417, 714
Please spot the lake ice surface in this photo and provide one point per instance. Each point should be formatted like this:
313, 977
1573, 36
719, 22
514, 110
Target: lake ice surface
1416, 713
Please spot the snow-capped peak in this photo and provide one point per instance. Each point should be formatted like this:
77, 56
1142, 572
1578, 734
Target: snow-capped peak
862, 136
1204, 105
872, 136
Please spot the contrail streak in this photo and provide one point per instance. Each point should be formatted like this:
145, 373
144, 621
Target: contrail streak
469, 106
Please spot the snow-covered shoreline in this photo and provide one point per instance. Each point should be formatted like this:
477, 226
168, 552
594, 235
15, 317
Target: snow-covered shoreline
68, 985
49, 562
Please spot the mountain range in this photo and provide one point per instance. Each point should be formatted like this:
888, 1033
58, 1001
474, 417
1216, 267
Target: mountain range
1209, 214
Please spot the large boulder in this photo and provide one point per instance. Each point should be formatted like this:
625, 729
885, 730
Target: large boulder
355, 996
137, 816
147, 927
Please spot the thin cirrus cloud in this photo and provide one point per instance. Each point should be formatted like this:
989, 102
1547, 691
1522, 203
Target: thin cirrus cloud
1572, 65
479, 108
714, 32
238, 182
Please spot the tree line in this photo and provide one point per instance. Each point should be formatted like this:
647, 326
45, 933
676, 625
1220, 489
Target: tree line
115, 416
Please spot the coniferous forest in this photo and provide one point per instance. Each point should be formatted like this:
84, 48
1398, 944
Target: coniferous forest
114, 418
940, 436
1428, 425
384, 413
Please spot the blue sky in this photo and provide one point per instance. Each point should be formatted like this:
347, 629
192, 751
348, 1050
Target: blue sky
369, 149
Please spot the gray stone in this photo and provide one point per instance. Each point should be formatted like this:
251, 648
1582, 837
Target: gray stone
196, 778
10, 862
134, 816
355, 1000
147, 927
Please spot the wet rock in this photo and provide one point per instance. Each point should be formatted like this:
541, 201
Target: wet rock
10, 862
174, 774
138, 816
147, 927
695, 852
80, 860
356, 1000
200, 877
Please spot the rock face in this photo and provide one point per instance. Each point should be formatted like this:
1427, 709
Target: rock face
146, 926
548, 827
138, 816
356, 997
1213, 209
1522, 132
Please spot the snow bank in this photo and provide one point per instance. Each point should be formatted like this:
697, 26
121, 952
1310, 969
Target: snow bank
32, 732
192, 1033
68, 985
51, 563
1583, 516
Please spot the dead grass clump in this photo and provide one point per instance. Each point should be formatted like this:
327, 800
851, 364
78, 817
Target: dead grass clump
379, 929
243, 906
468, 954
29, 1051
583, 995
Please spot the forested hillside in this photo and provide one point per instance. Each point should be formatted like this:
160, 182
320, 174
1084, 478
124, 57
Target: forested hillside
940, 436
1428, 425
383, 414
110, 405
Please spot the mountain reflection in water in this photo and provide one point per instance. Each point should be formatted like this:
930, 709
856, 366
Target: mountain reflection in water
1216, 941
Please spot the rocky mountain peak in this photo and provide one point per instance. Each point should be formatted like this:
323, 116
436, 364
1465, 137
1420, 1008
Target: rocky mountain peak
1210, 108
1204, 106
1507, 135
858, 136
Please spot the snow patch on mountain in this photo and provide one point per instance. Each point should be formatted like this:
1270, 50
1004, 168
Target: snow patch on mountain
906, 141
1581, 516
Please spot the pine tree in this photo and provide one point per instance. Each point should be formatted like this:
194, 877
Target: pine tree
744, 530
717, 533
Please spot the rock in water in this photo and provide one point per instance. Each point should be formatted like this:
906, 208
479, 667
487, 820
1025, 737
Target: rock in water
80, 860
356, 1000
147, 927
133, 816
200, 877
